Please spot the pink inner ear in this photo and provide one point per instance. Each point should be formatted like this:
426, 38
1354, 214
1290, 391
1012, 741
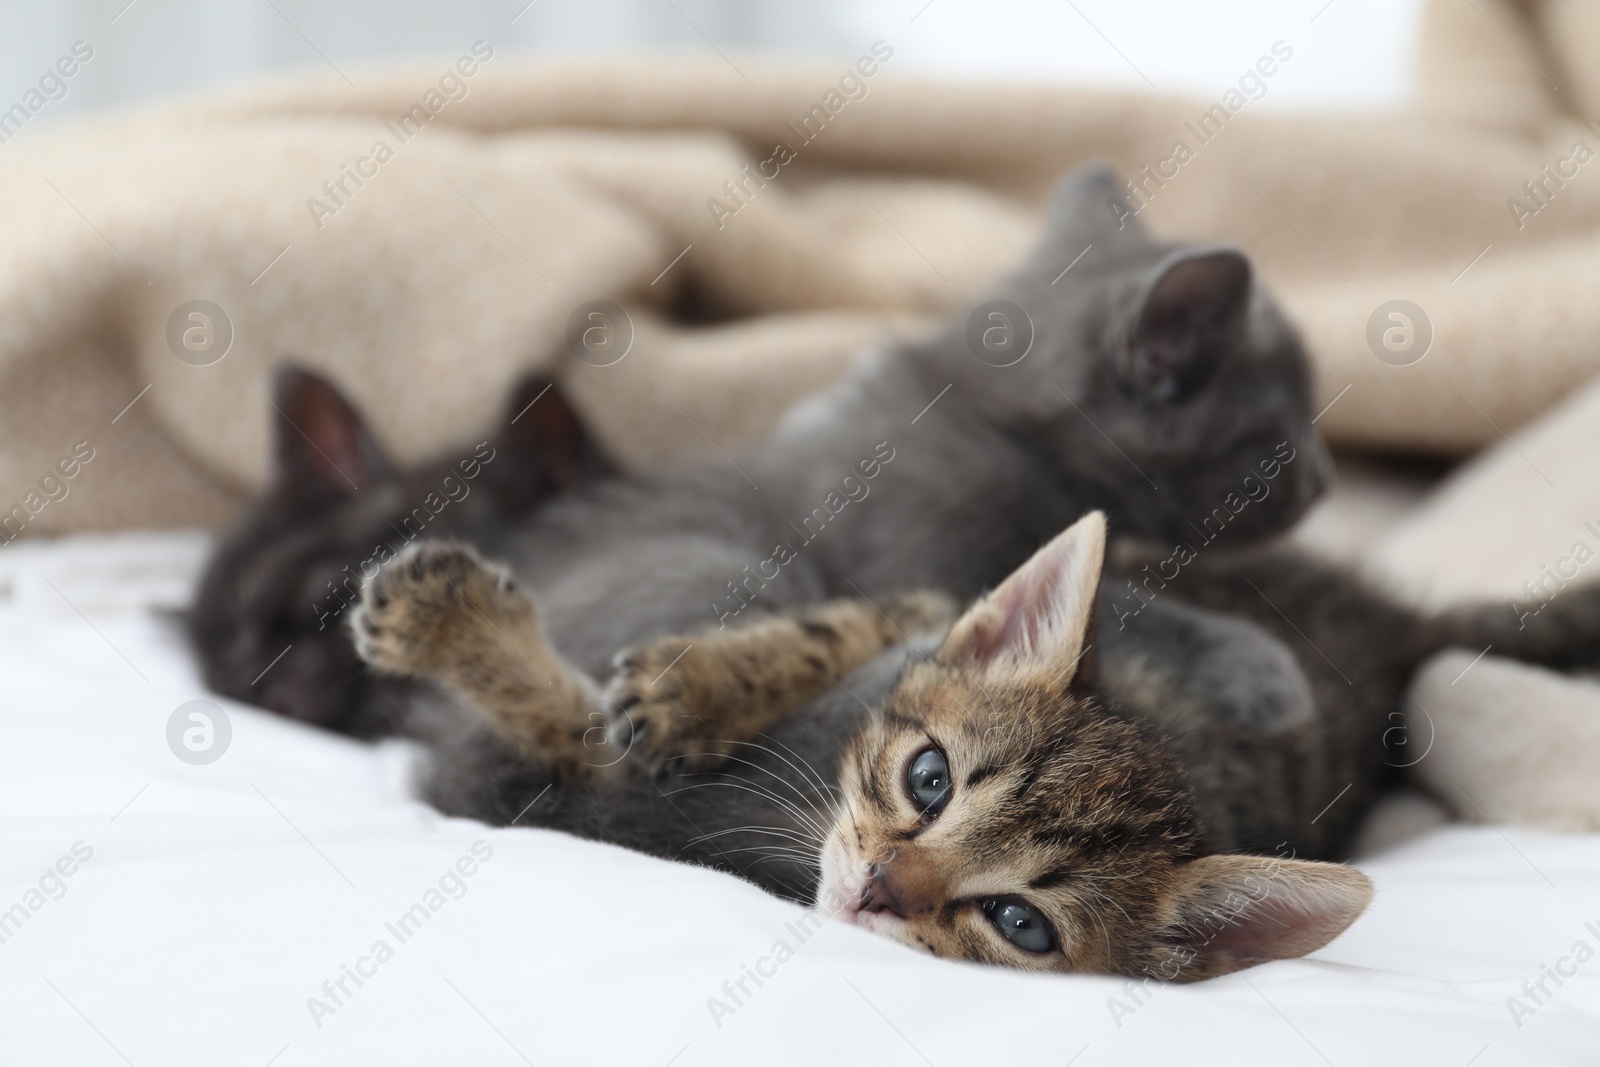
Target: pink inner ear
329, 427
1037, 617
1036, 603
1021, 612
323, 446
1290, 920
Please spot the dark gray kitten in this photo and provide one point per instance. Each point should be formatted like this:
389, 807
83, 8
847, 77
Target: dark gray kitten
276, 591
1159, 380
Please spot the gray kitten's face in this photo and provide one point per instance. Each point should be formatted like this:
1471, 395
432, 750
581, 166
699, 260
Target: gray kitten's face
269, 616
1160, 374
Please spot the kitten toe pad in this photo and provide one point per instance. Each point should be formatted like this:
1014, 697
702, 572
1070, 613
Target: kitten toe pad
417, 613
653, 697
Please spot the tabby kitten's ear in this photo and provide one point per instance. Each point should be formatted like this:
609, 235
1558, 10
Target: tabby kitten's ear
1188, 315
1228, 912
1036, 623
322, 446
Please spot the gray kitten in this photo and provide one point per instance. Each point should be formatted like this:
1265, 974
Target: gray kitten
1159, 381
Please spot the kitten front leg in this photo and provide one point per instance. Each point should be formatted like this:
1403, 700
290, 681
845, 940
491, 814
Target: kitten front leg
698, 696
439, 611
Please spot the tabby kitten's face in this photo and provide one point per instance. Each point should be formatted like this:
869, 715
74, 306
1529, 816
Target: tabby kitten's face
995, 812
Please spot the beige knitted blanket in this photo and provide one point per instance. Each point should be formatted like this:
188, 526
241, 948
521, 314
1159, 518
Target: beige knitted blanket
426, 234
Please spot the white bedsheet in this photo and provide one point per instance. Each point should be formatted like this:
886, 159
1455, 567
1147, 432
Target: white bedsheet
216, 900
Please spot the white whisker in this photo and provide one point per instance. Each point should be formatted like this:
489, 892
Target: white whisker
767, 770
775, 831
823, 786
783, 803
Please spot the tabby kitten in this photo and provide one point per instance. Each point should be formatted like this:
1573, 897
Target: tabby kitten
994, 809
986, 793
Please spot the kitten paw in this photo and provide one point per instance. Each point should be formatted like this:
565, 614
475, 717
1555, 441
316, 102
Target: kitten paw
654, 696
416, 613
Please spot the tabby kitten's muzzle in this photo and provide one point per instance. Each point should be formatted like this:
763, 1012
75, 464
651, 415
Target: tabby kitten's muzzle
879, 895
904, 886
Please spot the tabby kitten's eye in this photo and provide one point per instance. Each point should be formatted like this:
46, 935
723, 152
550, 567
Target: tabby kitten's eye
928, 782
1020, 925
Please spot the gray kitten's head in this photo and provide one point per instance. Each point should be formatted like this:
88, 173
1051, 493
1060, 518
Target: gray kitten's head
1161, 375
268, 622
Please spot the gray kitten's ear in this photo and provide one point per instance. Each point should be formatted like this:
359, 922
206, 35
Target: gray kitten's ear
1037, 621
1184, 320
548, 445
1088, 208
1230, 912
322, 447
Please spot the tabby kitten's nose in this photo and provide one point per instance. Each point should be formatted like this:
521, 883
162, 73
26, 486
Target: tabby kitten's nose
878, 894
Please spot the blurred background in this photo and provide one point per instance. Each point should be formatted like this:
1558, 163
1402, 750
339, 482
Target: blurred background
1359, 55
